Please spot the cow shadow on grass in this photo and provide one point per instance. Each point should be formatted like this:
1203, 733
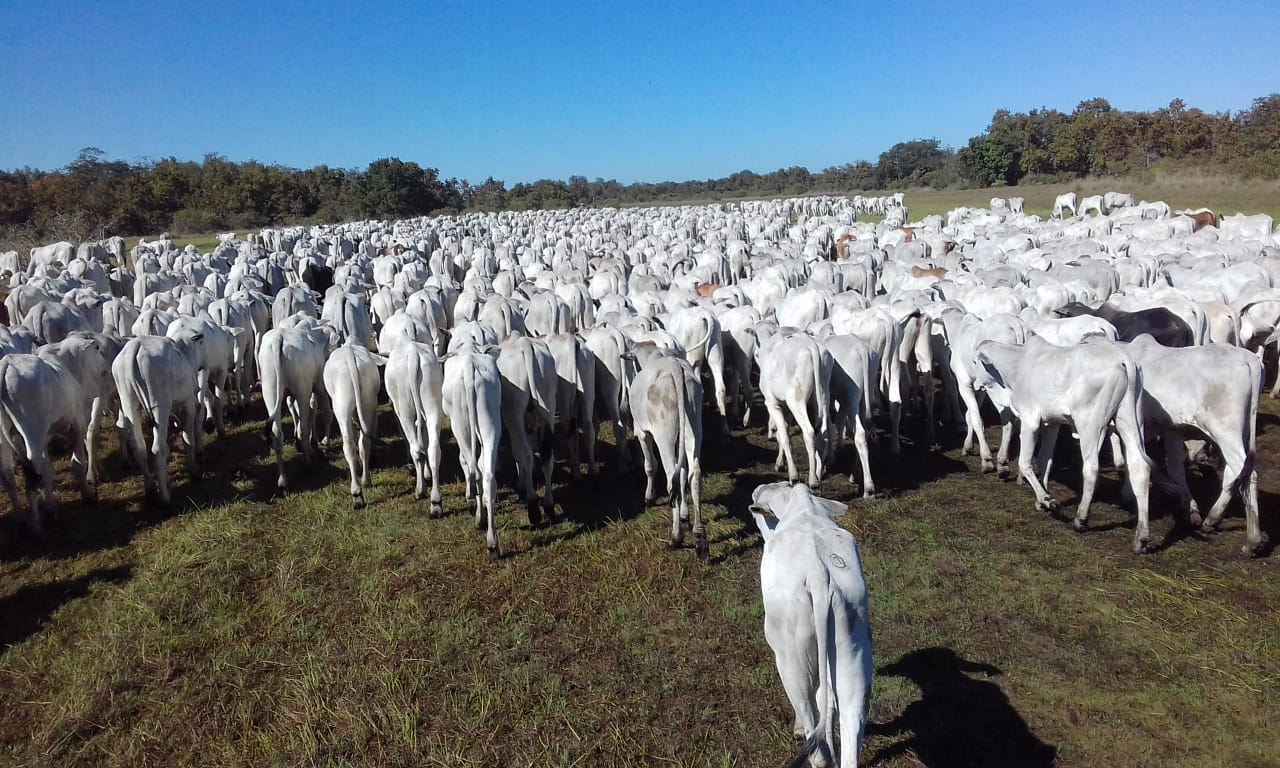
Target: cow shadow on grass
28, 609
960, 719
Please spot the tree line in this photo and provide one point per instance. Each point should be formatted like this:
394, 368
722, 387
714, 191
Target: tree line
93, 195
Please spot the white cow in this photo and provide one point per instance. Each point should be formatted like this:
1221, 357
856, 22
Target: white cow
816, 618
1087, 386
415, 380
1062, 202
796, 371
666, 413
39, 399
1211, 390
529, 403
155, 376
291, 362
472, 399
853, 376
351, 378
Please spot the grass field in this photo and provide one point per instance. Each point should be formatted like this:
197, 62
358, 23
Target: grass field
238, 629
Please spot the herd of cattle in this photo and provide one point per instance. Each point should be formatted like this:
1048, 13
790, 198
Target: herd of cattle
1130, 320
1122, 320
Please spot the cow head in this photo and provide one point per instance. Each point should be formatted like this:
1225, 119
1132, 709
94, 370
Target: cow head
773, 504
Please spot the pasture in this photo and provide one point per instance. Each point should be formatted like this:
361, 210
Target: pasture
238, 629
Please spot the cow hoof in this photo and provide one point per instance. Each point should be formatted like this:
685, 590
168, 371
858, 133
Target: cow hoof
357, 501
1253, 548
1197, 521
1080, 526
535, 514
1140, 544
437, 511
1050, 505
702, 547
495, 554
1003, 472
988, 467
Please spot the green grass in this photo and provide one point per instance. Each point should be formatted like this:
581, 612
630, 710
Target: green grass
242, 630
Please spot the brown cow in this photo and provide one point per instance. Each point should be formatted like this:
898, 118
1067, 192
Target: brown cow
937, 272
1201, 219
705, 290
910, 232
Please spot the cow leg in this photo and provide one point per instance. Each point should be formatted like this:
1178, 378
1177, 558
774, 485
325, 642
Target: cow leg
522, 453
798, 678
800, 410
135, 443
9, 479
1138, 471
1006, 435
193, 436
433, 462
779, 421
548, 470
650, 493
864, 456
80, 469
277, 445
160, 452
1091, 439
412, 425
489, 496
1175, 461
1045, 447
748, 396
588, 423
973, 419
91, 440
930, 429
1026, 447
1236, 470
853, 686
715, 361
350, 451
700, 543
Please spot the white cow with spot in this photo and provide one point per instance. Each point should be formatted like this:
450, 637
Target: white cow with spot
415, 381
352, 380
816, 618
666, 414
472, 399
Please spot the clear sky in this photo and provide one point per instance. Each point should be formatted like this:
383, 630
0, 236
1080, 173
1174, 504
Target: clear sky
644, 91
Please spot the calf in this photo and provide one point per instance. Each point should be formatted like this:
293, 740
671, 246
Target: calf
816, 617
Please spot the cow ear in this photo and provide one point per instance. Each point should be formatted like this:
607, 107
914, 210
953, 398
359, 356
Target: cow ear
765, 521
379, 360
829, 507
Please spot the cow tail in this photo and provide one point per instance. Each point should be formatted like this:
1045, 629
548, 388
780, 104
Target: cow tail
7, 409
361, 413
530, 365
420, 412
473, 416
822, 369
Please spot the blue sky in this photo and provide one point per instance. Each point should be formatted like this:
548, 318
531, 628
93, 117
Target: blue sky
633, 91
